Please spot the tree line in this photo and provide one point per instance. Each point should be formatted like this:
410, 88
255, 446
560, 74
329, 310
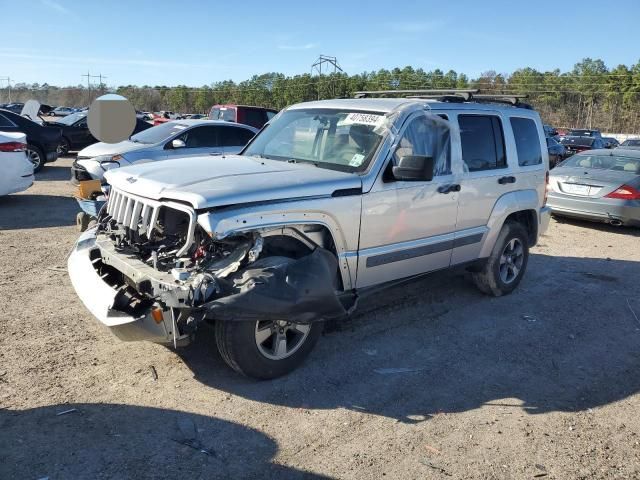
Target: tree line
590, 95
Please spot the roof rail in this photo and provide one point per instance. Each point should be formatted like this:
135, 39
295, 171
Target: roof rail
452, 95
429, 93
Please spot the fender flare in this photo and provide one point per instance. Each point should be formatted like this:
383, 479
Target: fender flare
507, 204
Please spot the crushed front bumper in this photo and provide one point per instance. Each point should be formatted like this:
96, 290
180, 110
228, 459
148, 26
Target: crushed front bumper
99, 298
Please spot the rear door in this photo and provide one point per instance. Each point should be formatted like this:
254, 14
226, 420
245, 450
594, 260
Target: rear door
487, 175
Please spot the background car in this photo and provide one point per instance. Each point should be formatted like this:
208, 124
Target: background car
598, 185
42, 140
248, 115
610, 142
17, 170
631, 143
76, 134
14, 107
582, 132
575, 144
557, 152
61, 111
176, 139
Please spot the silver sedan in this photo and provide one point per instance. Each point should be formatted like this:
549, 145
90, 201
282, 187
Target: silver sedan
598, 185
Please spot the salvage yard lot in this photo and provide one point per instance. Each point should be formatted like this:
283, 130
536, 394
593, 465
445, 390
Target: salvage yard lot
427, 380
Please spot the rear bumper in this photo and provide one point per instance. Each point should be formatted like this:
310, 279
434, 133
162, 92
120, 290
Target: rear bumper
598, 210
98, 297
545, 218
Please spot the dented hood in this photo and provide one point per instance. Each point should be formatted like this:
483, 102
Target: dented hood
211, 181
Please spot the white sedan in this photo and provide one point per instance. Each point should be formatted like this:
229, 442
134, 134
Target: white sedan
16, 171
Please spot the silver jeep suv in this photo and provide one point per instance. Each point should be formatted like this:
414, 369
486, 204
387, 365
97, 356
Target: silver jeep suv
331, 199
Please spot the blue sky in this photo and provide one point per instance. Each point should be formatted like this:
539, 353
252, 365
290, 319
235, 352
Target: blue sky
198, 42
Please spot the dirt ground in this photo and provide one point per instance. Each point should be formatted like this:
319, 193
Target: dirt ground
428, 380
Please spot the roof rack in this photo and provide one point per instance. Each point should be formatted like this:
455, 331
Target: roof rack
430, 93
453, 96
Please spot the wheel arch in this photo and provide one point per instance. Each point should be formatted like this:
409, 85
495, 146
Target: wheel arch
521, 206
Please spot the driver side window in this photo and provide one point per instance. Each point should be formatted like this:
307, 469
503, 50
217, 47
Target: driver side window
426, 137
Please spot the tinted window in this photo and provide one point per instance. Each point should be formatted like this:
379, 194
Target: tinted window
234, 136
482, 142
525, 134
5, 122
270, 115
201, 137
254, 117
580, 141
426, 137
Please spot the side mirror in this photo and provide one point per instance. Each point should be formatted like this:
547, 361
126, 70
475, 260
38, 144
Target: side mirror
177, 143
414, 168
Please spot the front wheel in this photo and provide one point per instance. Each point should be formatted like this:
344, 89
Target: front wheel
265, 349
507, 263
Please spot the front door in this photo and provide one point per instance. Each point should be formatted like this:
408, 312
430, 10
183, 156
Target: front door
200, 140
408, 227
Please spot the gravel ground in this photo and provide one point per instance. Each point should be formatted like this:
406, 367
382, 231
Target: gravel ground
543, 383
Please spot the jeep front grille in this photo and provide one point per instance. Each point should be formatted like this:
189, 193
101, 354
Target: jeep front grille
141, 215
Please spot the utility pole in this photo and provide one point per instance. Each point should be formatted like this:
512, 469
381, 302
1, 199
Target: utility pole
89, 77
325, 60
8, 80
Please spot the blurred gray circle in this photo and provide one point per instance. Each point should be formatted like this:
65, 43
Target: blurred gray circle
111, 118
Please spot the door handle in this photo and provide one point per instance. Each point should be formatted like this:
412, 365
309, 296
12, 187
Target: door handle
449, 188
505, 180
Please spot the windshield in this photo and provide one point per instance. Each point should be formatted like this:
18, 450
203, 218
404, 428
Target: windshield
158, 133
338, 139
581, 141
631, 143
71, 119
223, 113
604, 162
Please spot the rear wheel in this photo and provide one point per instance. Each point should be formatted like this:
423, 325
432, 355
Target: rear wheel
265, 349
507, 263
64, 146
35, 156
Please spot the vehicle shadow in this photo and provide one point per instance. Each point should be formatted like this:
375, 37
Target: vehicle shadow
53, 172
566, 340
125, 441
603, 227
36, 211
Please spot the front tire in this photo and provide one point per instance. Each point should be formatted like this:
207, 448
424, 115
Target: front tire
507, 263
265, 349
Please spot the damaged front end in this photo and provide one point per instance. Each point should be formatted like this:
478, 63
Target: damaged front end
150, 271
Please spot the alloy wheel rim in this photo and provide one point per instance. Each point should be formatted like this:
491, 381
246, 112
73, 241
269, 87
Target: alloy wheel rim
280, 339
34, 157
511, 260
63, 148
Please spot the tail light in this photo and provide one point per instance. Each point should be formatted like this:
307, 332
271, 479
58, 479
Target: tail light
13, 147
625, 192
546, 188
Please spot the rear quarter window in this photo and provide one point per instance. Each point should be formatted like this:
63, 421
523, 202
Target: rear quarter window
525, 134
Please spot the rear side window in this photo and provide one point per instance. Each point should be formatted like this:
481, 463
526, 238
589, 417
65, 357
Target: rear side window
5, 122
234, 136
482, 142
527, 140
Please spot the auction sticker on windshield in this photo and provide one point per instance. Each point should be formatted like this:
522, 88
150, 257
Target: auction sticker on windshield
362, 119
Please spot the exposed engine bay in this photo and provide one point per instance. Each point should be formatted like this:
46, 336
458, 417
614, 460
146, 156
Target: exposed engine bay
168, 261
